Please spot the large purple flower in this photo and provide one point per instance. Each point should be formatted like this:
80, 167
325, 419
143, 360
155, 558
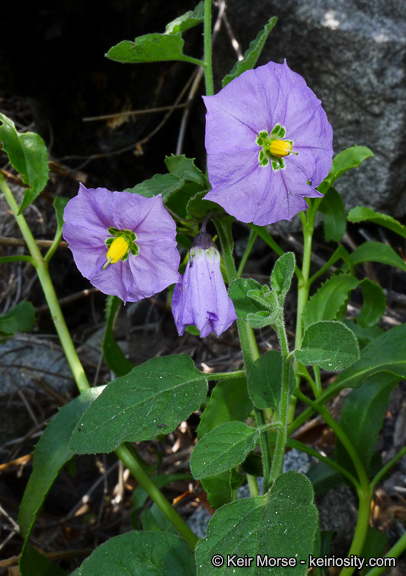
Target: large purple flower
269, 145
123, 243
200, 298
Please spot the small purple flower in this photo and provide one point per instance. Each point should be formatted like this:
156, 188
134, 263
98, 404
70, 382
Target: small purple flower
200, 298
269, 145
123, 243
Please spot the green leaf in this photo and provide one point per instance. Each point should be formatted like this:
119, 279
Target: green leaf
28, 155
384, 354
140, 554
150, 48
252, 54
59, 207
377, 252
265, 381
345, 160
185, 168
334, 215
361, 213
329, 300
229, 401
362, 418
219, 488
374, 303
183, 182
374, 546
282, 274
364, 335
187, 20
238, 291
281, 524
20, 318
324, 477
197, 207
50, 454
223, 448
33, 563
330, 345
154, 520
113, 355
152, 399
261, 319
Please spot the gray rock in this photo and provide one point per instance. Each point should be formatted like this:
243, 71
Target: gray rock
352, 54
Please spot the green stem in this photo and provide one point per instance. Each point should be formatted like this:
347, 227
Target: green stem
250, 244
281, 437
318, 390
386, 469
208, 69
247, 339
363, 490
394, 552
226, 375
22, 258
126, 456
303, 284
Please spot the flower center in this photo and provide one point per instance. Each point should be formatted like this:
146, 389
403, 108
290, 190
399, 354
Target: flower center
120, 246
274, 148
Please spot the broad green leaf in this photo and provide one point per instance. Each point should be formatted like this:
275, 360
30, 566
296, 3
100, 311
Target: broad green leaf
324, 477
183, 182
374, 546
187, 20
374, 303
197, 207
140, 554
377, 252
362, 418
252, 54
219, 488
330, 345
223, 448
328, 301
33, 563
361, 213
364, 335
384, 354
261, 319
265, 381
154, 520
238, 291
28, 155
345, 160
281, 524
334, 215
150, 48
20, 318
229, 401
113, 355
282, 274
185, 168
50, 454
150, 400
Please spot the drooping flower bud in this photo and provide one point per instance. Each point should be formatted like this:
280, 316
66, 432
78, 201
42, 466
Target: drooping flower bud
200, 298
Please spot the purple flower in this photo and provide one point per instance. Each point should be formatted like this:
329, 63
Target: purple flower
269, 145
200, 298
123, 243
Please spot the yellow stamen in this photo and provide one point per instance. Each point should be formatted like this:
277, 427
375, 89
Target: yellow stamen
280, 148
118, 249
